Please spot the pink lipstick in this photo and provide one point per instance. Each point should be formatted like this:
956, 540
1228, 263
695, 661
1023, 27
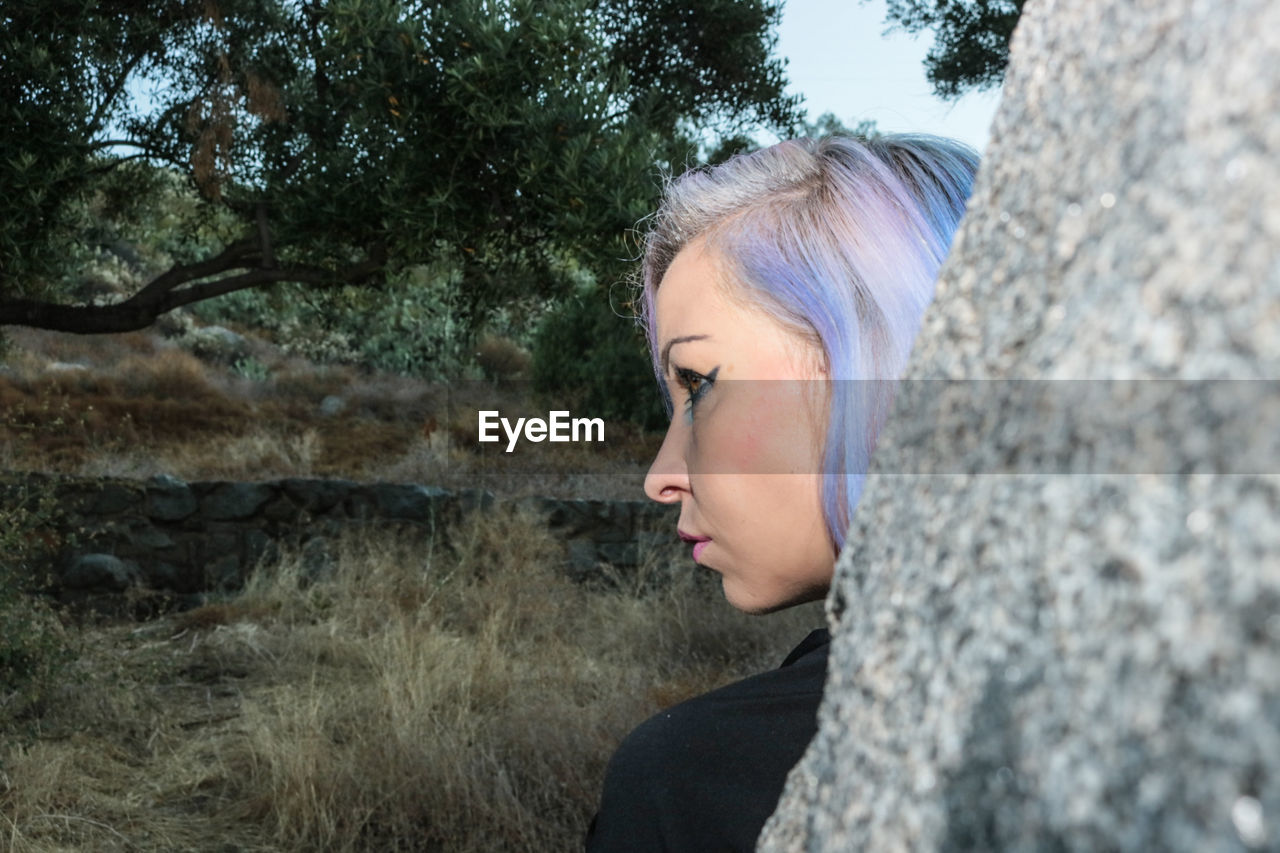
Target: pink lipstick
699, 543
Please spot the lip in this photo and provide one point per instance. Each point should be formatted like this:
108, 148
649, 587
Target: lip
699, 543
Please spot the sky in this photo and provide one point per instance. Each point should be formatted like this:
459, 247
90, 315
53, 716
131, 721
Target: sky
841, 62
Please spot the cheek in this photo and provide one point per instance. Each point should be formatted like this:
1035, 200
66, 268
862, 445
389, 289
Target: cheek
738, 440
761, 430
776, 438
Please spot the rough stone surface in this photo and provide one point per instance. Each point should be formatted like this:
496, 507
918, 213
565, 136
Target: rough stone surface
407, 501
332, 406
94, 572
223, 573
317, 495
115, 497
1090, 661
141, 536
170, 499
183, 540
235, 500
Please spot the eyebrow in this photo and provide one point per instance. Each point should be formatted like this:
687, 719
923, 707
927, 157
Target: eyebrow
666, 349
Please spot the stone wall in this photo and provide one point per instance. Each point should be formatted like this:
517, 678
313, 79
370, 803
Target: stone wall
1088, 660
187, 539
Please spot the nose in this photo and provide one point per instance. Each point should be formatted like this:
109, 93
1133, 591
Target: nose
668, 478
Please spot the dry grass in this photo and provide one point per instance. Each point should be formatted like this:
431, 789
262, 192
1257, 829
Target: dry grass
137, 405
407, 697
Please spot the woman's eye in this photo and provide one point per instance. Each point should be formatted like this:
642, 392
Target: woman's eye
696, 384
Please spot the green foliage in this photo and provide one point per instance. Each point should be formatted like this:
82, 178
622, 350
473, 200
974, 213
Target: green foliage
587, 356
829, 124
63, 67
250, 368
971, 39
345, 142
33, 645
408, 326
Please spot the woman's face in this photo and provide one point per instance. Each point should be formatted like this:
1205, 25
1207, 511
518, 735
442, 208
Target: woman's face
742, 455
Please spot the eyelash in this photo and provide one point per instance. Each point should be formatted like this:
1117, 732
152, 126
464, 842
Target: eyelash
687, 379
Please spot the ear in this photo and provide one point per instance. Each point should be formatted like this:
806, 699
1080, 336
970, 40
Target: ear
812, 357
821, 364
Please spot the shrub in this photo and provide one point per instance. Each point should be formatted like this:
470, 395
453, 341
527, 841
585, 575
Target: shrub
32, 643
588, 355
408, 326
501, 358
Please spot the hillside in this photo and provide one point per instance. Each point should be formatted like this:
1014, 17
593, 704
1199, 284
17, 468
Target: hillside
202, 402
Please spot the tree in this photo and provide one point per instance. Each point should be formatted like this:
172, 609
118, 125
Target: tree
341, 141
971, 39
829, 124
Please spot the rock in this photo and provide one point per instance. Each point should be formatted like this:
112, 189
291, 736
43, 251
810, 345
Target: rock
602, 521
142, 537
112, 498
1085, 661
223, 574
258, 547
332, 406
582, 558
619, 553
281, 510
169, 499
66, 367
166, 576
317, 496
407, 502
472, 500
318, 558
230, 501
99, 572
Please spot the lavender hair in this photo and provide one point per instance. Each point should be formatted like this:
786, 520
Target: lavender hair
840, 240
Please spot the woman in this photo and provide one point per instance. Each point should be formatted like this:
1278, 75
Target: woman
773, 286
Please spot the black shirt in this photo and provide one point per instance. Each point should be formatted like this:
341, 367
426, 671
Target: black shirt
704, 775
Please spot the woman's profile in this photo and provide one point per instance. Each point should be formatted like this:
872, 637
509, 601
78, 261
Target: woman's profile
774, 286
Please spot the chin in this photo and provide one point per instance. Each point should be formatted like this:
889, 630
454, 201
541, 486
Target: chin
759, 605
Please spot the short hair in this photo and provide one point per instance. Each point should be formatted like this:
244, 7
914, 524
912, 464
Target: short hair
839, 239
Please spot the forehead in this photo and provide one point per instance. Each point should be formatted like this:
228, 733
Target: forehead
699, 297
692, 292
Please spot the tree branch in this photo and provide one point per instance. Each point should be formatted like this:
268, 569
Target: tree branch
237, 255
113, 91
112, 143
261, 276
113, 163
264, 238
142, 309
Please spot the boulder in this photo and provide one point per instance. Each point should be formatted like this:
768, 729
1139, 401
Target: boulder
169, 499
99, 573
1067, 655
110, 498
317, 496
332, 406
407, 501
231, 501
